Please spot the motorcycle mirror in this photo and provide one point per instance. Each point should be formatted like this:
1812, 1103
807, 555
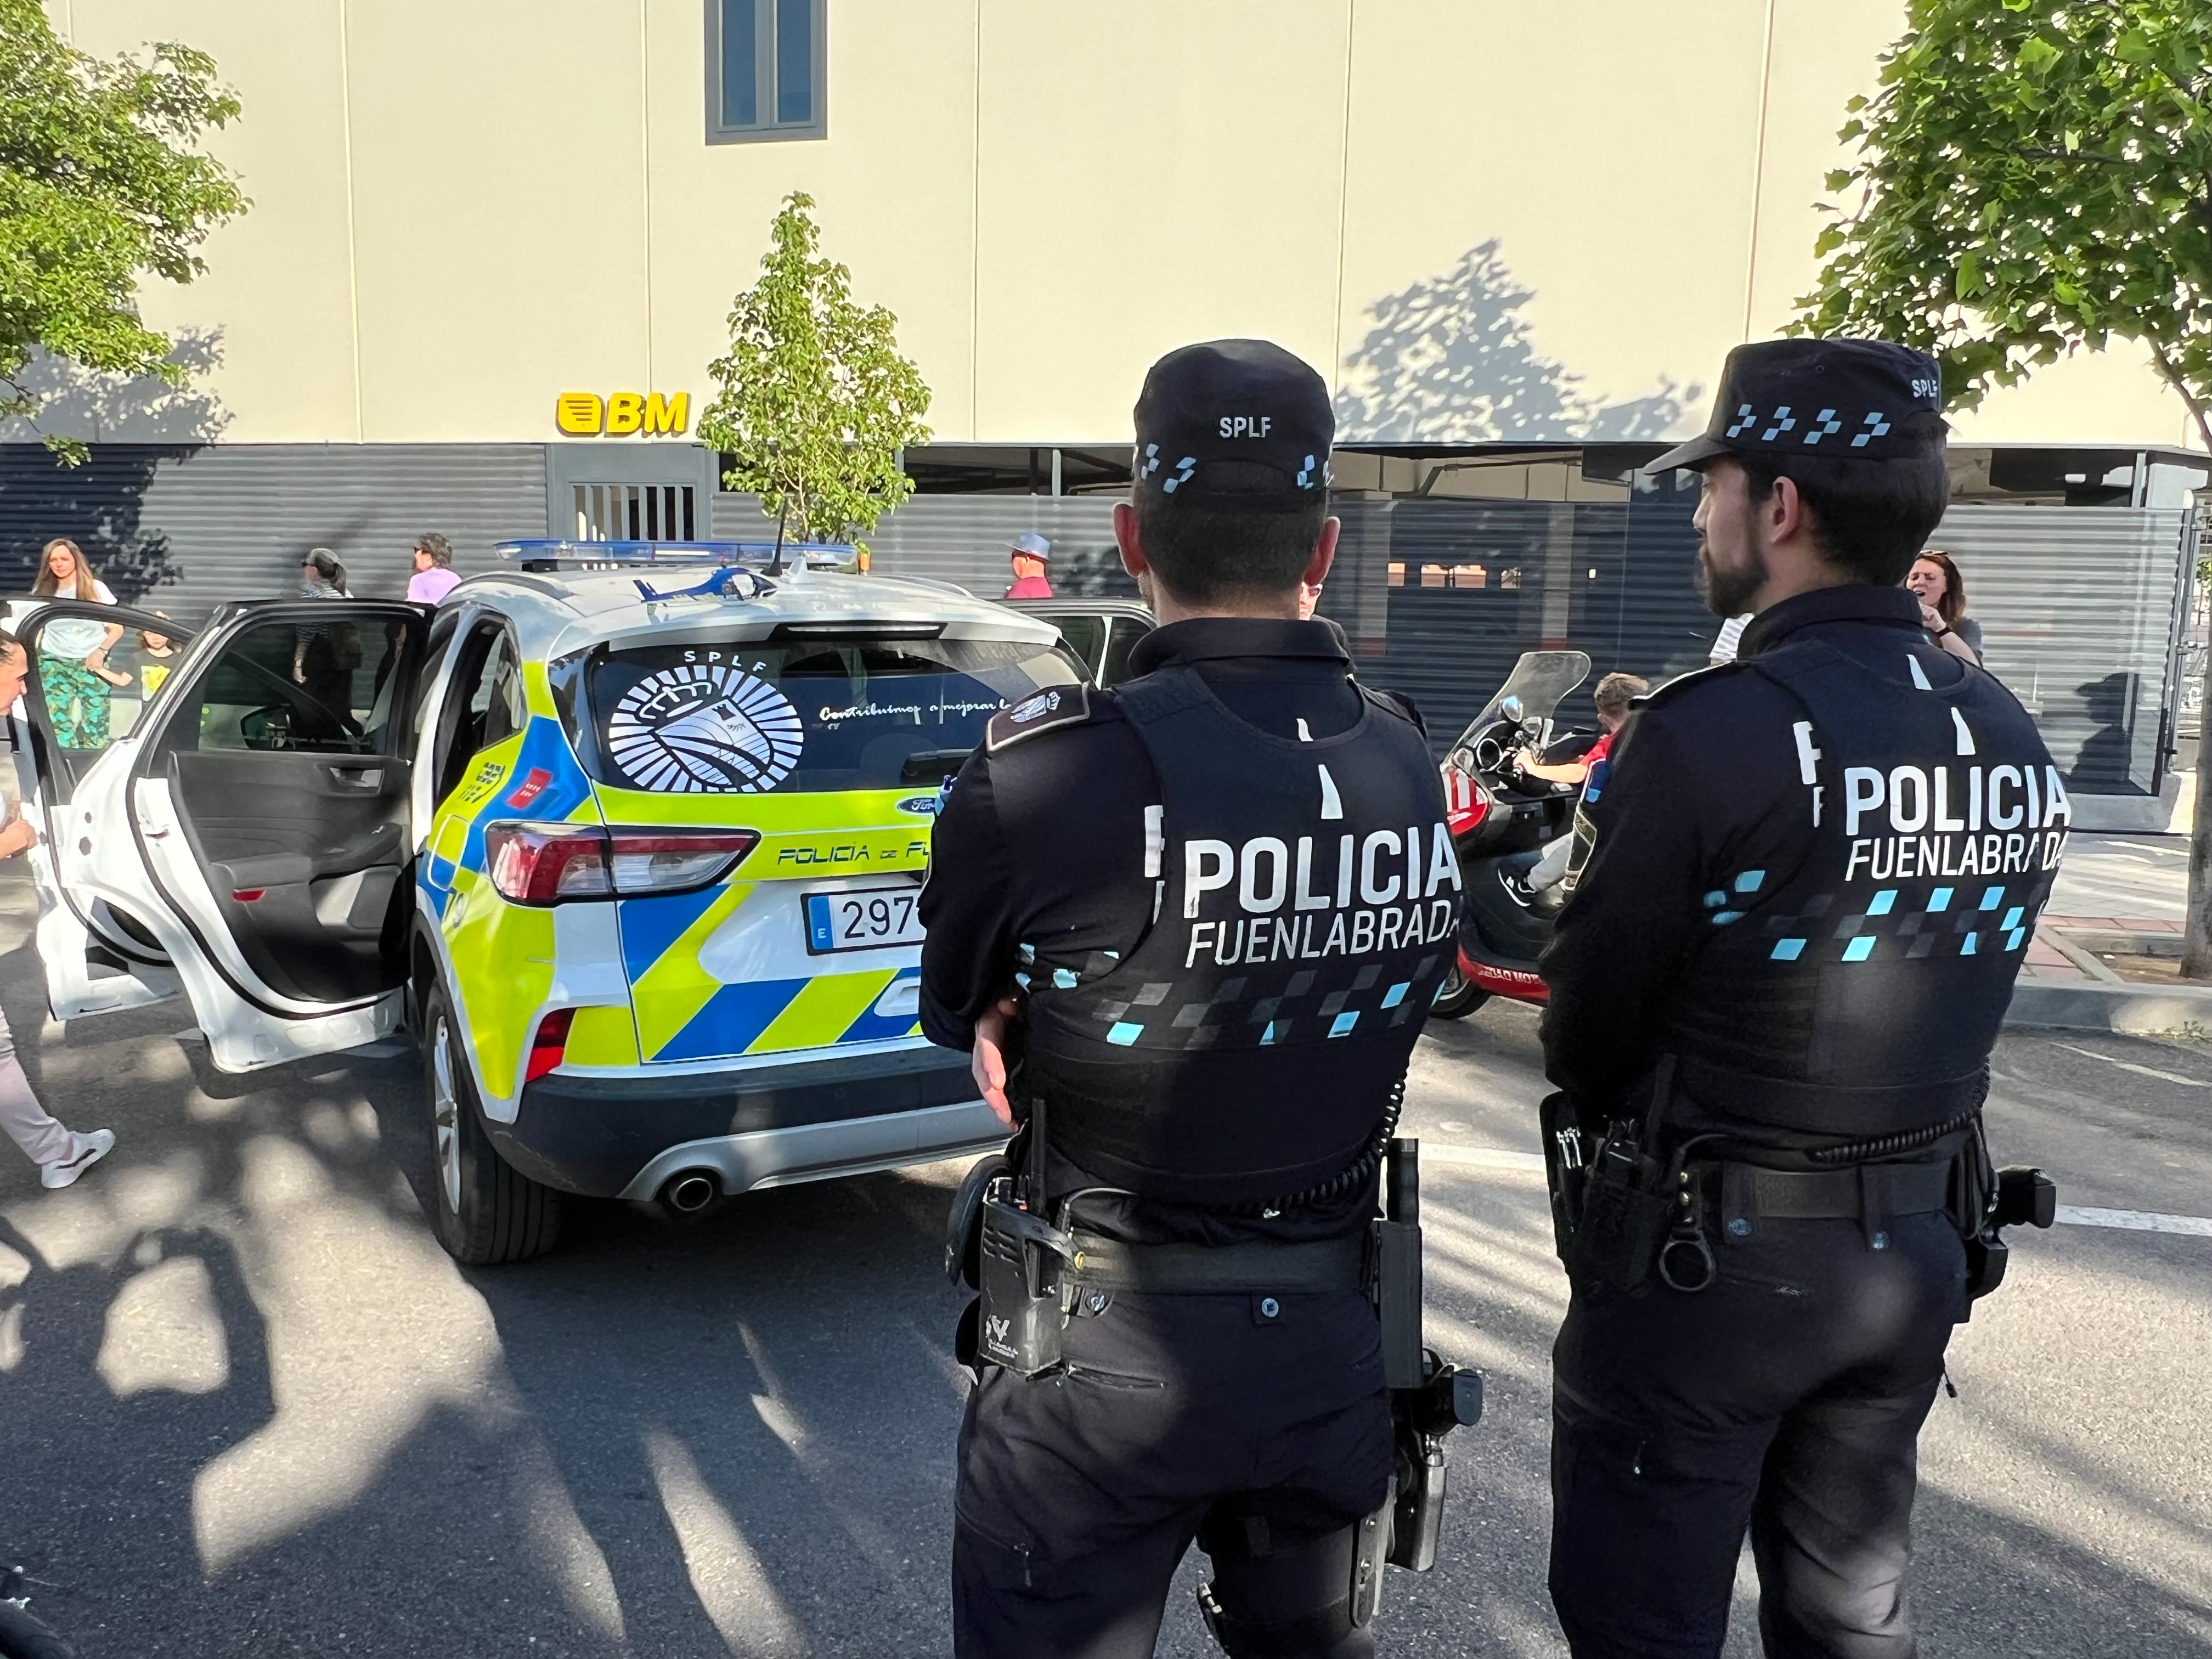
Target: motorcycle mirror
1510, 709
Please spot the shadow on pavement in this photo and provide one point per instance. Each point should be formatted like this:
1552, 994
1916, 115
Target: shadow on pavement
734, 1437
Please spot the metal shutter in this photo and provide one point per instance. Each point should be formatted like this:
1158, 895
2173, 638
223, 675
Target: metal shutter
181, 530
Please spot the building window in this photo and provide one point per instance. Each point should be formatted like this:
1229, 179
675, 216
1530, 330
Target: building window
634, 512
765, 69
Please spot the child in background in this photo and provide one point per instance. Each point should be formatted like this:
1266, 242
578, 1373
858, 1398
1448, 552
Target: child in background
159, 655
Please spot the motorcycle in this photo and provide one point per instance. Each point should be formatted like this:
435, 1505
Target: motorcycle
1500, 822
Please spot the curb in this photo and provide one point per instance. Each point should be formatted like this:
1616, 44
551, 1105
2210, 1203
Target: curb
2130, 1009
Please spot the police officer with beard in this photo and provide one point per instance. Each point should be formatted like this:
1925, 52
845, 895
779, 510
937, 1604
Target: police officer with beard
1189, 929
1802, 896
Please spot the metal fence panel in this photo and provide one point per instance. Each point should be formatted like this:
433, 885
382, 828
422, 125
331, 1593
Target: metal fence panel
2081, 610
2081, 607
963, 538
182, 530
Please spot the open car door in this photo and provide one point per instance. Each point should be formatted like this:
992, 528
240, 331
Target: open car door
251, 829
97, 958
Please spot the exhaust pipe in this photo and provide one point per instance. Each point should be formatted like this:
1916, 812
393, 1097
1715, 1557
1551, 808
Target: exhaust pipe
690, 1191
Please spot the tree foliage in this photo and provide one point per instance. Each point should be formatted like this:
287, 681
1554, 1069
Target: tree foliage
2036, 177
100, 183
816, 402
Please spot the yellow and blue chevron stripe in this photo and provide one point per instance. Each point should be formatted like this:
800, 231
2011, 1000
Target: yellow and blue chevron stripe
685, 1011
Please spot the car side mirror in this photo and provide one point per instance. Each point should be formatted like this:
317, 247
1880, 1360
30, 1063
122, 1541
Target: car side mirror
266, 729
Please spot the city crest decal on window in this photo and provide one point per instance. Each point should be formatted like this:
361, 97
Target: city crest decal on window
704, 728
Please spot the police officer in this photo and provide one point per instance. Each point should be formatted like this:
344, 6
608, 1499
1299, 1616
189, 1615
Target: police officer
1194, 925
1803, 894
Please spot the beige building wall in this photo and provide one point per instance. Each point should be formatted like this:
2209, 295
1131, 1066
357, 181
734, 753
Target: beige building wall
1491, 221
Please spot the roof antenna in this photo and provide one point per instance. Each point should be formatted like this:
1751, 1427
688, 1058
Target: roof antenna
775, 564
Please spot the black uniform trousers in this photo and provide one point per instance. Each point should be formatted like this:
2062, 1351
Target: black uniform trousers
1787, 1396
1174, 1417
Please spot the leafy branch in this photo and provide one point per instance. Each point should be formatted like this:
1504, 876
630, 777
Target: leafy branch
816, 402
2035, 178
100, 184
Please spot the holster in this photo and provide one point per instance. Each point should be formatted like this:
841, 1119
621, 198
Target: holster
1564, 1166
1986, 1201
1626, 1204
1019, 1259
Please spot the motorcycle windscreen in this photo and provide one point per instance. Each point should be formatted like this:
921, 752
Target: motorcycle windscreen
1539, 680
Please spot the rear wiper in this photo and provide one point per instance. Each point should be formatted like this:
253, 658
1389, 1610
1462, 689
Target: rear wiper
932, 766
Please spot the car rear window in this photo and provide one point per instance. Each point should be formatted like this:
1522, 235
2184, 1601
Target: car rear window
795, 716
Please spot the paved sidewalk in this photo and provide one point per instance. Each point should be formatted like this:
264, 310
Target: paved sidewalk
2111, 884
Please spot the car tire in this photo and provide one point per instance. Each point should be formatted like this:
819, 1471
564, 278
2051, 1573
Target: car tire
1458, 996
486, 1212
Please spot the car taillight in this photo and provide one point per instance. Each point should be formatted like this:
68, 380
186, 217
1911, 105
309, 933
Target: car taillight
550, 863
675, 860
545, 863
550, 1045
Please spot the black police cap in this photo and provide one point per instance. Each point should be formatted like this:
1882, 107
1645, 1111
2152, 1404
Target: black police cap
1237, 425
1845, 399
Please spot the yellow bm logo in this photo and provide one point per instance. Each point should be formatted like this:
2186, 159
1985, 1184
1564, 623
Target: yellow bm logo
621, 413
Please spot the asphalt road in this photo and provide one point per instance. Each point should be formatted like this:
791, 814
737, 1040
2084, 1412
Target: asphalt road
251, 1409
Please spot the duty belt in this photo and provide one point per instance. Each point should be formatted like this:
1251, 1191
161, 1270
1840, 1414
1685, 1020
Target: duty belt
1865, 1192
1108, 1264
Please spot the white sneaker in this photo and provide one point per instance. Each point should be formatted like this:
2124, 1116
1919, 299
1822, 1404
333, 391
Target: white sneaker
88, 1149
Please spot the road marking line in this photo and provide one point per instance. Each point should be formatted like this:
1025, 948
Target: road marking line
1482, 1157
2141, 1221
2140, 1071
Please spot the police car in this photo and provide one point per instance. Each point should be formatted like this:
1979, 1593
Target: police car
630, 835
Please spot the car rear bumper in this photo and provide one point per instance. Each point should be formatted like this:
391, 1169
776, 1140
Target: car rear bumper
623, 1137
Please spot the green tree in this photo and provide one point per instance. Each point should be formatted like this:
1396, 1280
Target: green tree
816, 402
100, 183
2036, 176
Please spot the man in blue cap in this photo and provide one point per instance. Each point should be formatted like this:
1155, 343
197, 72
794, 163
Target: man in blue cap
1798, 908
1189, 929
1031, 557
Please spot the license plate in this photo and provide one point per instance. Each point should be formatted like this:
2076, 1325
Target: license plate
865, 919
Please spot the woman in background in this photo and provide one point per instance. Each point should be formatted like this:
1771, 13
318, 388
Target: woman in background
1934, 580
73, 670
434, 576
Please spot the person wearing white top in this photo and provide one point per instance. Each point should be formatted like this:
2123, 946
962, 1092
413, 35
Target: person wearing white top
73, 670
60, 1152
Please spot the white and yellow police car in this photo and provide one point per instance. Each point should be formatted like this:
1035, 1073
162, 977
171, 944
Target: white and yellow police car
630, 835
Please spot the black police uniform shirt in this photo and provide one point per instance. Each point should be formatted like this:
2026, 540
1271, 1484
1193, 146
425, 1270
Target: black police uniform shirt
1793, 925
1038, 847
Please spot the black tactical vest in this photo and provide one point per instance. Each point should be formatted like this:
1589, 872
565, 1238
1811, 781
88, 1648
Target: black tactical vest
1860, 995
1306, 897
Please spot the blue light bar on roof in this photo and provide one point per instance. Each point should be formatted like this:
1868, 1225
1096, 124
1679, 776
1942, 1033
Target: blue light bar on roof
554, 550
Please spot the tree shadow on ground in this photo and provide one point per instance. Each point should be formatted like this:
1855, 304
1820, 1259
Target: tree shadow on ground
734, 1437
1451, 359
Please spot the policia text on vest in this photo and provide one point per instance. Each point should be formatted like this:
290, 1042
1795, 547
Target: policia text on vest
1223, 896
1954, 820
1286, 919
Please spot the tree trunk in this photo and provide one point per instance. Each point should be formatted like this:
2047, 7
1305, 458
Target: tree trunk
2197, 920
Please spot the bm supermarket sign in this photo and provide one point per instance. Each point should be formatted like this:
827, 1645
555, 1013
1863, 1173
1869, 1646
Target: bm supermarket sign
622, 414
